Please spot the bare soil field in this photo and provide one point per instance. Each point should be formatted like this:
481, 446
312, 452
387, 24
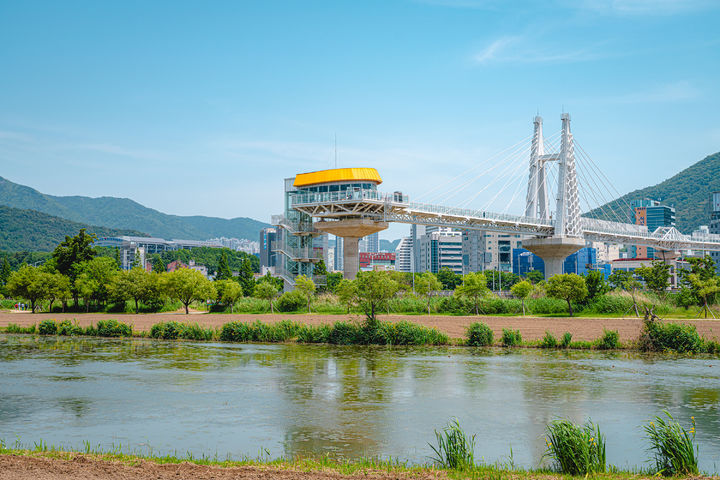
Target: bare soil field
17, 467
531, 328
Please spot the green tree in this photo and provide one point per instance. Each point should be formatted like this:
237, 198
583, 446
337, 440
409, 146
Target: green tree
276, 281
656, 277
333, 279
228, 292
320, 268
535, 276
117, 257
448, 278
136, 284
74, 250
704, 288
569, 287
97, 273
246, 278
305, 286
596, 284
630, 284
158, 265
58, 288
474, 287
374, 290
427, 285
223, 271
187, 286
347, 292
267, 291
618, 278
5, 271
521, 290
500, 280
29, 283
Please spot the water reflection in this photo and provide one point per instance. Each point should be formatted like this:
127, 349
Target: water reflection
344, 401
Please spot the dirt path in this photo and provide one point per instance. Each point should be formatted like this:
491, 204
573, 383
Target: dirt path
531, 328
14, 467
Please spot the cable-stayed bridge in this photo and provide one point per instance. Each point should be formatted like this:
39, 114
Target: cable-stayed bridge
553, 234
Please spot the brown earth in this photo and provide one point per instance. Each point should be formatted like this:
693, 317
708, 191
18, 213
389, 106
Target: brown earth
531, 328
16, 467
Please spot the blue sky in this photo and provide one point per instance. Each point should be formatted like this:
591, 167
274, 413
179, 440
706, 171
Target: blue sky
204, 107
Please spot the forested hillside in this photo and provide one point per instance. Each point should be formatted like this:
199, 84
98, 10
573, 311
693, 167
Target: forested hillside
28, 230
123, 213
688, 191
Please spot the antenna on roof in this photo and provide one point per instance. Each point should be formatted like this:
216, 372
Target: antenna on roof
335, 149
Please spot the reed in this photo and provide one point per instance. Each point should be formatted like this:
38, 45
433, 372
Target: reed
576, 449
672, 446
455, 449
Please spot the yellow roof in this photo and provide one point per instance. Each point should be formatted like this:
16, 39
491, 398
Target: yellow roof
337, 175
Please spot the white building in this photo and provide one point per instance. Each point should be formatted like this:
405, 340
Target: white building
484, 250
404, 255
441, 248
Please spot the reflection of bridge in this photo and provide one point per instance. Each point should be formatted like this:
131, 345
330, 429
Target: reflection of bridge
354, 213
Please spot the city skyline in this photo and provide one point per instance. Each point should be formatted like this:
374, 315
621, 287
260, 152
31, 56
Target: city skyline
225, 100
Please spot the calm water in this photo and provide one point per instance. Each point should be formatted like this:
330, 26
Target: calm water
234, 399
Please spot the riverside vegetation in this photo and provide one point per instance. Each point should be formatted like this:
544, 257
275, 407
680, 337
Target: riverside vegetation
655, 336
573, 450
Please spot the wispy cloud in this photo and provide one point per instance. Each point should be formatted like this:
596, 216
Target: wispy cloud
472, 4
519, 50
645, 7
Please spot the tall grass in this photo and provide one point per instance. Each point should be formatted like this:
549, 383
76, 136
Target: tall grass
672, 446
479, 335
661, 337
15, 328
455, 449
609, 341
576, 449
511, 338
174, 330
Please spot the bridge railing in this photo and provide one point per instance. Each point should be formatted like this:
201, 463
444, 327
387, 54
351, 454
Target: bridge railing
478, 214
346, 196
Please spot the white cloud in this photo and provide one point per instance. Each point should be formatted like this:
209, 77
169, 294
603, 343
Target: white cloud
645, 7
520, 50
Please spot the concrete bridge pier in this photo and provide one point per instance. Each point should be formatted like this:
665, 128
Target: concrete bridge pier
553, 251
351, 230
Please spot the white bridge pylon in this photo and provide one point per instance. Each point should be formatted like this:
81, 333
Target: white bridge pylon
567, 227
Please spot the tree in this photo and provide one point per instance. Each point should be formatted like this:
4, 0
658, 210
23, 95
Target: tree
228, 292
187, 286
535, 276
474, 287
427, 285
73, 251
117, 257
521, 290
347, 292
656, 277
276, 281
704, 288
374, 290
631, 285
158, 265
499, 280
618, 278
596, 284
58, 288
28, 283
246, 278
307, 287
333, 279
223, 271
267, 291
96, 277
5, 271
448, 278
137, 284
569, 287
320, 268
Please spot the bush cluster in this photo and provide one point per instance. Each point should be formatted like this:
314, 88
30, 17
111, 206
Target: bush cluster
511, 338
104, 328
174, 330
479, 335
661, 337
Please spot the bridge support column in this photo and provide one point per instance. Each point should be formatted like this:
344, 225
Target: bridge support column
553, 251
351, 231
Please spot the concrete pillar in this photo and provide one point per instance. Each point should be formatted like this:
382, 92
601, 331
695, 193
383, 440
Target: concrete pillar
553, 251
351, 257
351, 230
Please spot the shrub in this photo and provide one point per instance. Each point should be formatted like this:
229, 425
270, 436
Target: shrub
549, 341
196, 332
291, 301
709, 346
609, 341
576, 449
66, 327
236, 332
113, 328
672, 446
566, 340
408, 333
312, 334
479, 335
174, 330
47, 327
611, 303
660, 337
546, 306
455, 449
344, 333
14, 328
456, 305
511, 338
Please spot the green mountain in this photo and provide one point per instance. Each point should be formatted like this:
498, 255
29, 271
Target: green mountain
388, 246
28, 230
123, 213
688, 191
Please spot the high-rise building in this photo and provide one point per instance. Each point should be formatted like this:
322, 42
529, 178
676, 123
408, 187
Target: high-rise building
404, 255
483, 250
580, 262
714, 225
338, 254
652, 214
370, 244
441, 249
267, 252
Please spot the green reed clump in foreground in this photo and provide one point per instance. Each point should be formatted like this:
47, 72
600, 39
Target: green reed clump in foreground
174, 330
15, 328
455, 449
576, 449
511, 338
479, 335
672, 446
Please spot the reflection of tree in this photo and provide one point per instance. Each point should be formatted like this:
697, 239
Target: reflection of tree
75, 406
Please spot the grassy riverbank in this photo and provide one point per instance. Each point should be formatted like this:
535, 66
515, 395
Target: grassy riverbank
98, 464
